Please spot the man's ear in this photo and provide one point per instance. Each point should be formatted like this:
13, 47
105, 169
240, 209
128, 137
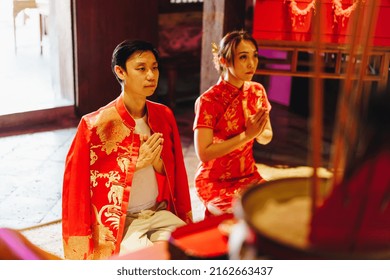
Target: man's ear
119, 71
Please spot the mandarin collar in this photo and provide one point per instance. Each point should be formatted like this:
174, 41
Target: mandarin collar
234, 89
124, 114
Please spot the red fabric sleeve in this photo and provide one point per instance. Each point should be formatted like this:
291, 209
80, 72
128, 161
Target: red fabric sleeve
76, 199
205, 113
182, 192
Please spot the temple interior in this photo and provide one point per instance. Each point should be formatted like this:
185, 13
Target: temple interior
52, 73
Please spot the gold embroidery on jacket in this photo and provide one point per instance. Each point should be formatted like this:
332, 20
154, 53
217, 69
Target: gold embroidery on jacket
112, 176
103, 237
77, 248
110, 129
93, 177
112, 134
123, 163
112, 213
104, 246
115, 195
93, 157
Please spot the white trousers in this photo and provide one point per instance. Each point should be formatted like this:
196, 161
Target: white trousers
147, 227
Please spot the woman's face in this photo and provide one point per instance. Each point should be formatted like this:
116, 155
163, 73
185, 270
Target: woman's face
141, 75
245, 63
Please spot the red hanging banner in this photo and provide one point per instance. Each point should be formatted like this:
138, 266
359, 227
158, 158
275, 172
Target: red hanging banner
292, 20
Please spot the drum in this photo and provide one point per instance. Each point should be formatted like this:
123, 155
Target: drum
277, 216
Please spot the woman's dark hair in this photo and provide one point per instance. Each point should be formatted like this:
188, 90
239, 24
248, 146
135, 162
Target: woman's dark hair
228, 45
125, 49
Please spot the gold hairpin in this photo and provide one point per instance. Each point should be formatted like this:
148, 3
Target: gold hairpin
214, 48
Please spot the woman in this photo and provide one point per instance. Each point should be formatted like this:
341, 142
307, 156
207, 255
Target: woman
228, 117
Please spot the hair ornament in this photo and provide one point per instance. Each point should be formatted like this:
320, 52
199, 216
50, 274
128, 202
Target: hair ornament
214, 48
215, 51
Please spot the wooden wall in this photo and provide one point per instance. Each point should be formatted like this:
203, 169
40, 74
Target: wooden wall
219, 17
100, 25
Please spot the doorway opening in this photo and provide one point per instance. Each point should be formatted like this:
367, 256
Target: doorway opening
36, 74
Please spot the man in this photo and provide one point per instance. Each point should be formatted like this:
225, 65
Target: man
125, 184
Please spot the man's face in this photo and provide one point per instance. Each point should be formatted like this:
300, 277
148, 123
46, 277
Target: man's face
141, 74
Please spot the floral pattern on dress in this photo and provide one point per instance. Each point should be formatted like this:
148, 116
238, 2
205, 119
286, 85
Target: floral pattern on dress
221, 180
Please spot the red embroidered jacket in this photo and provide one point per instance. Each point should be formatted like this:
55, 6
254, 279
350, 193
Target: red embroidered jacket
98, 175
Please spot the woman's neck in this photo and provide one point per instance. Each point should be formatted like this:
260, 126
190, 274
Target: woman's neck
233, 80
